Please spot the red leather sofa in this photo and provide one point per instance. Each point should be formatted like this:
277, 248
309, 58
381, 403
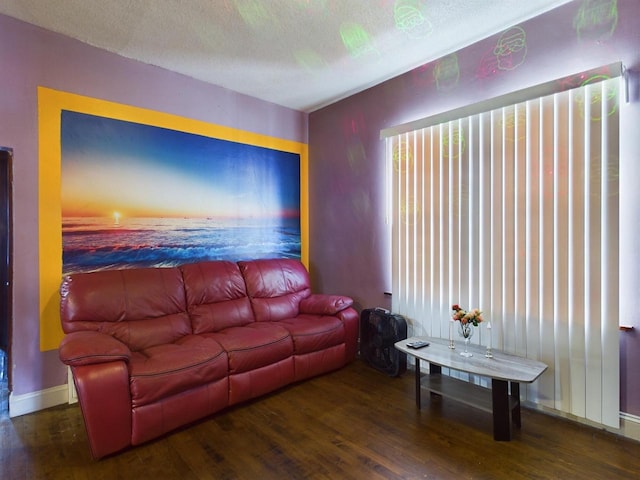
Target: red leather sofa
153, 349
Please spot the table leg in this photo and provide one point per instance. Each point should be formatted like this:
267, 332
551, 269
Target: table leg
434, 370
501, 415
515, 395
418, 384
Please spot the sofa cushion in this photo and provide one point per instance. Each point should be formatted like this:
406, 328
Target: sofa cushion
141, 307
164, 370
311, 333
254, 345
141, 334
275, 287
216, 296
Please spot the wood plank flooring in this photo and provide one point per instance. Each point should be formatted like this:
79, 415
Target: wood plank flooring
355, 423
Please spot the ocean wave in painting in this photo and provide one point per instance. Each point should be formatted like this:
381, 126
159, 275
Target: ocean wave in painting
91, 244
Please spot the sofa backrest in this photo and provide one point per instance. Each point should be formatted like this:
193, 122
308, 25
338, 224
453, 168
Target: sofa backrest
275, 287
216, 296
141, 307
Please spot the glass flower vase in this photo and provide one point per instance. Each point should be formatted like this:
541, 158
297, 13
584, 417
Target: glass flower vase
466, 331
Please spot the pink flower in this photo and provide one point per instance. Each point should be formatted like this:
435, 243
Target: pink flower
474, 316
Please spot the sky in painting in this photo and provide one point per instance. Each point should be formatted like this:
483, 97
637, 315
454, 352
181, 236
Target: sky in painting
138, 170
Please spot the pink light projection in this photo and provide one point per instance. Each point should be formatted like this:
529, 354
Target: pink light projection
422, 76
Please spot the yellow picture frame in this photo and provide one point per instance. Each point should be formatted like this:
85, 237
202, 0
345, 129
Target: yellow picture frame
51, 103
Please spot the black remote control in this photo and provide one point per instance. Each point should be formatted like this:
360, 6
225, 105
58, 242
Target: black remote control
418, 344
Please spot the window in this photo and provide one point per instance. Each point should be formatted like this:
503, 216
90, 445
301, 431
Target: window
514, 209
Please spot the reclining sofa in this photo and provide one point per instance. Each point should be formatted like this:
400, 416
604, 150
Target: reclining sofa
154, 349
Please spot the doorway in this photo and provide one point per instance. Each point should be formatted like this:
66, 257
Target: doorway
6, 155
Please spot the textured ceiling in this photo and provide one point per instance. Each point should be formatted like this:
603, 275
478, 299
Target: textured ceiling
302, 54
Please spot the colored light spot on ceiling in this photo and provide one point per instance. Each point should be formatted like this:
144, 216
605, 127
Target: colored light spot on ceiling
410, 18
356, 39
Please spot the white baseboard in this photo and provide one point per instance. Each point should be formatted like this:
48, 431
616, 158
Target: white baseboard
73, 395
32, 402
630, 426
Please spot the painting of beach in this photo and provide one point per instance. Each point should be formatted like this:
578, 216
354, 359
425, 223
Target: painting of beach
135, 195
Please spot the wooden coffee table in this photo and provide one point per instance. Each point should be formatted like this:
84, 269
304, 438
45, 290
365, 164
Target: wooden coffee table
506, 372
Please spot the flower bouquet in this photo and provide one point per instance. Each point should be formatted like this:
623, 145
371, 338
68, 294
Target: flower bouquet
467, 320
473, 316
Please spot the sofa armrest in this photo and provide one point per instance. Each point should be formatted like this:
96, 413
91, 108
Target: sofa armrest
320, 304
105, 401
89, 347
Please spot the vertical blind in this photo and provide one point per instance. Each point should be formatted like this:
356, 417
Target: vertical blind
515, 211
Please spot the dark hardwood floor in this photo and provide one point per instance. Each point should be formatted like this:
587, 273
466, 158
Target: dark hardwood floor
352, 424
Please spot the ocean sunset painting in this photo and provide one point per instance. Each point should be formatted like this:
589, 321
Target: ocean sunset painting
135, 195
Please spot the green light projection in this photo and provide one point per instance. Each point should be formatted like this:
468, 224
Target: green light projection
453, 144
253, 12
402, 157
310, 60
595, 97
356, 156
514, 124
410, 18
409, 209
511, 48
357, 40
596, 20
447, 73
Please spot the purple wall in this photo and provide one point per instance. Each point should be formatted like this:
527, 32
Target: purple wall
32, 57
348, 243
349, 250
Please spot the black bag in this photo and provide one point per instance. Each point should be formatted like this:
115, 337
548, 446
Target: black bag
379, 331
